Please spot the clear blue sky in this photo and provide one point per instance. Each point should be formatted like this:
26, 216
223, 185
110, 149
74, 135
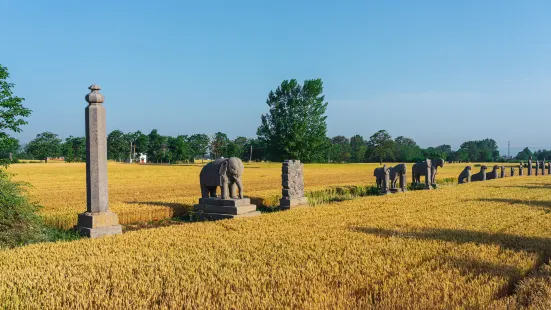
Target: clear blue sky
436, 71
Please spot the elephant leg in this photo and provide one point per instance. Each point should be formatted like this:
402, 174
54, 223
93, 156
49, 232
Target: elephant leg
204, 192
232, 189
212, 191
239, 187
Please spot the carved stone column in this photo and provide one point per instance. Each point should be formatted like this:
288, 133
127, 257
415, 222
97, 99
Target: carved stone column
98, 220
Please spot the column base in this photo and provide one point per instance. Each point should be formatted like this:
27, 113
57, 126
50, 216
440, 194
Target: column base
98, 224
212, 209
286, 204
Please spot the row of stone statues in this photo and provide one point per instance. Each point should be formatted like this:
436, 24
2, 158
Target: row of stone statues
226, 173
466, 176
387, 177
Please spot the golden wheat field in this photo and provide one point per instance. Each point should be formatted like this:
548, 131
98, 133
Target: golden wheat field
464, 246
141, 193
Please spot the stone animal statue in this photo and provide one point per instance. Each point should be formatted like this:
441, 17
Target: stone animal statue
492, 174
465, 175
395, 173
481, 176
419, 169
224, 172
379, 174
438, 162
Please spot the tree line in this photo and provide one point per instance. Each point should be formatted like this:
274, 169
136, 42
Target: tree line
293, 128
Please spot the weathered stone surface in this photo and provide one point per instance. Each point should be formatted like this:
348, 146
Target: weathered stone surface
543, 167
293, 202
480, 176
530, 166
420, 169
512, 171
521, 169
231, 202
292, 181
465, 175
492, 174
98, 220
235, 210
224, 173
100, 231
396, 173
217, 208
502, 172
537, 167
221, 216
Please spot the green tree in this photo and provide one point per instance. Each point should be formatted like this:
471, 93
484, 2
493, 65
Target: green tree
380, 147
118, 146
236, 148
157, 146
524, 154
74, 149
9, 148
340, 149
254, 150
407, 150
45, 145
12, 114
218, 145
198, 144
295, 126
357, 149
179, 148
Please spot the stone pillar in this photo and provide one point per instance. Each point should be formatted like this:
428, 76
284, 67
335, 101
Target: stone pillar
530, 166
521, 169
428, 178
512, 171
292, 180
549, 167
543, 167
502, 172
537, 167
403, 181
98, 220
385, 189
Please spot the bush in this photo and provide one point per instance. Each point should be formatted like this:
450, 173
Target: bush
19, 222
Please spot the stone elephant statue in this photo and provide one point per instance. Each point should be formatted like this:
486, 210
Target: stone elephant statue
379, 174
420, 169
224, 172
395, 173
438, 162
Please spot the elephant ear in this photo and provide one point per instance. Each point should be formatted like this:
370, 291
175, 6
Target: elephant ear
223, 168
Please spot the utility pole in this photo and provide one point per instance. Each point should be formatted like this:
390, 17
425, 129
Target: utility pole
130, 158
251, 154
508, 149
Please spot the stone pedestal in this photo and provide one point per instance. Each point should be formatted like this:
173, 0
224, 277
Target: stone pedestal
286, 204
292, 181
98, 220
98, 224
219, 209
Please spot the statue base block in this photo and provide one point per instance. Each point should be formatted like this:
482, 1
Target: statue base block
98, 224
398, 190
286, 204
211, 209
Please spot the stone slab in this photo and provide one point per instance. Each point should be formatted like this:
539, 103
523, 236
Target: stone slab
100, 231
286, 204
225, 202
97, 219
219, 216
225, 209
397, 190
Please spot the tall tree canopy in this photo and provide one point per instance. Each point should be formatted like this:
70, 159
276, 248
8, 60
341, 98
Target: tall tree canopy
12, 115
295, 126
45, 145
380, 147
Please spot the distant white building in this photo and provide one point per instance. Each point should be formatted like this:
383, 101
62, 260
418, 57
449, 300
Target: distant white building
142, 158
